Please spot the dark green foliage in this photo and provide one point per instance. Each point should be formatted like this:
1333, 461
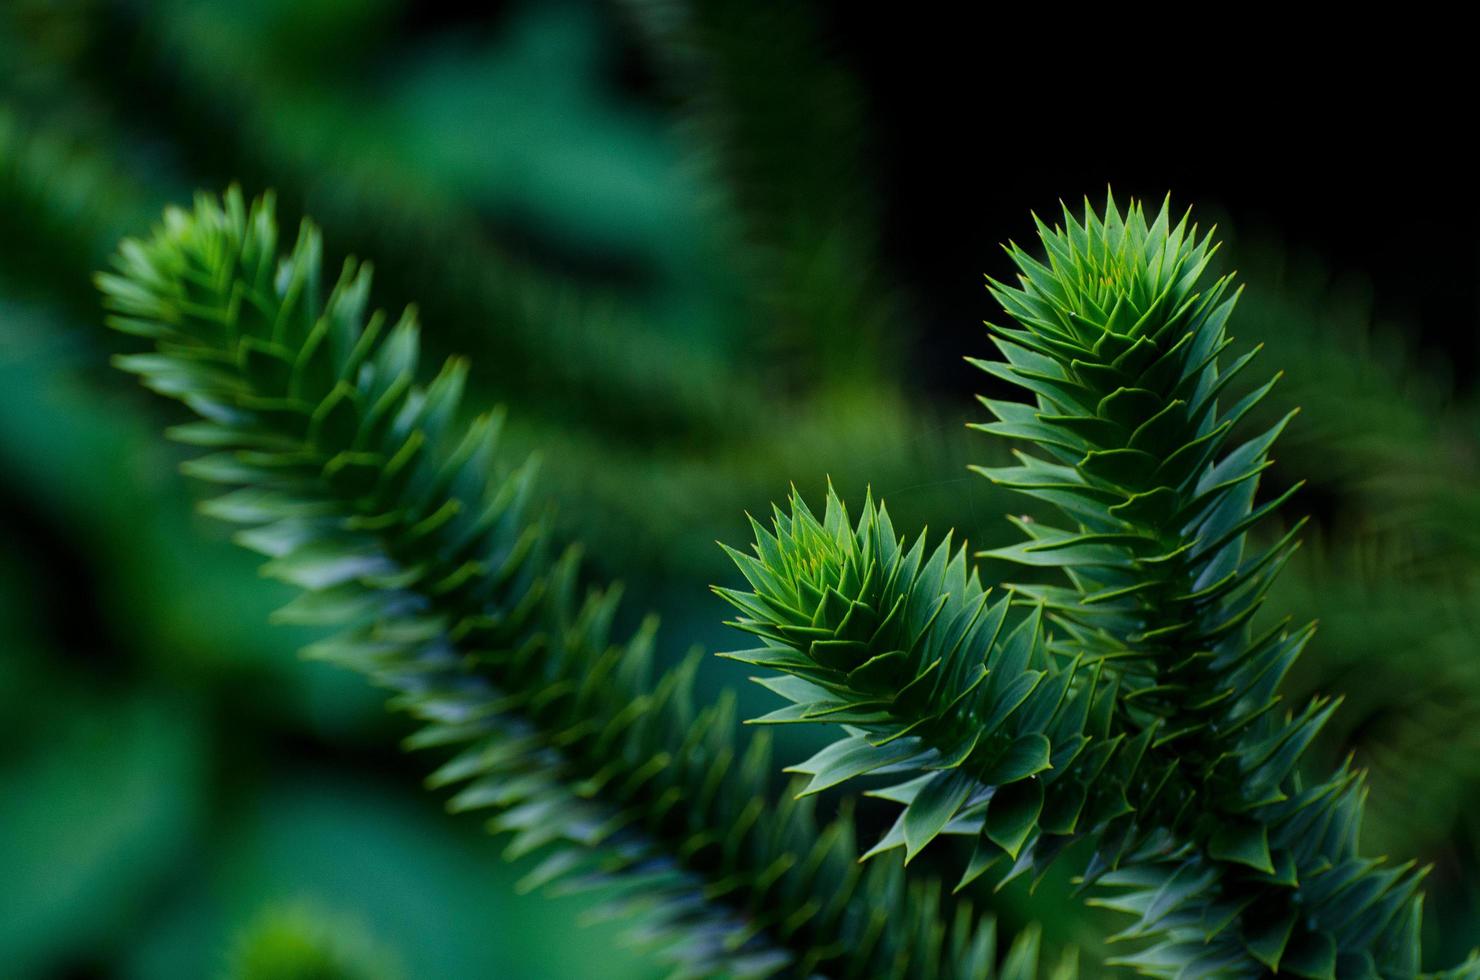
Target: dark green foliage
63, 204
365, 491
1119, 341
361, 114
780, 129
1386, 443
1151, 723
301, 942
661, 408
910, 652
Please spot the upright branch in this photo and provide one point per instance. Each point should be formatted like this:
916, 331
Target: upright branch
1122, 697
1119, 340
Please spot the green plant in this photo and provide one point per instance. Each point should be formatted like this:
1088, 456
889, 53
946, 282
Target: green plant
782, 129
757, 245
406, 529
1393, 558
1133, 708
299, 941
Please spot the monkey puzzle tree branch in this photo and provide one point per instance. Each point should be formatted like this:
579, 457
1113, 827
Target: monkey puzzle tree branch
404, 528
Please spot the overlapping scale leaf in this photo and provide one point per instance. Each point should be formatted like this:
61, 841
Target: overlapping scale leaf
1232, 864
407, 533
930, 677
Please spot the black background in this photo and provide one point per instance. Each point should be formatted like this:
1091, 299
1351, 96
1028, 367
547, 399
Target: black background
1359, 149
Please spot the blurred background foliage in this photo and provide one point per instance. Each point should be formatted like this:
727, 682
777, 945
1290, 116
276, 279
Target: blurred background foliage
679, 241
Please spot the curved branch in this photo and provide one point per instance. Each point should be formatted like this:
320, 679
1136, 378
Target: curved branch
364, 490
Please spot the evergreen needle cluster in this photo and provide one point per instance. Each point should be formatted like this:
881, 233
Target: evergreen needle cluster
1116, 708
1118, 705
406, 530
